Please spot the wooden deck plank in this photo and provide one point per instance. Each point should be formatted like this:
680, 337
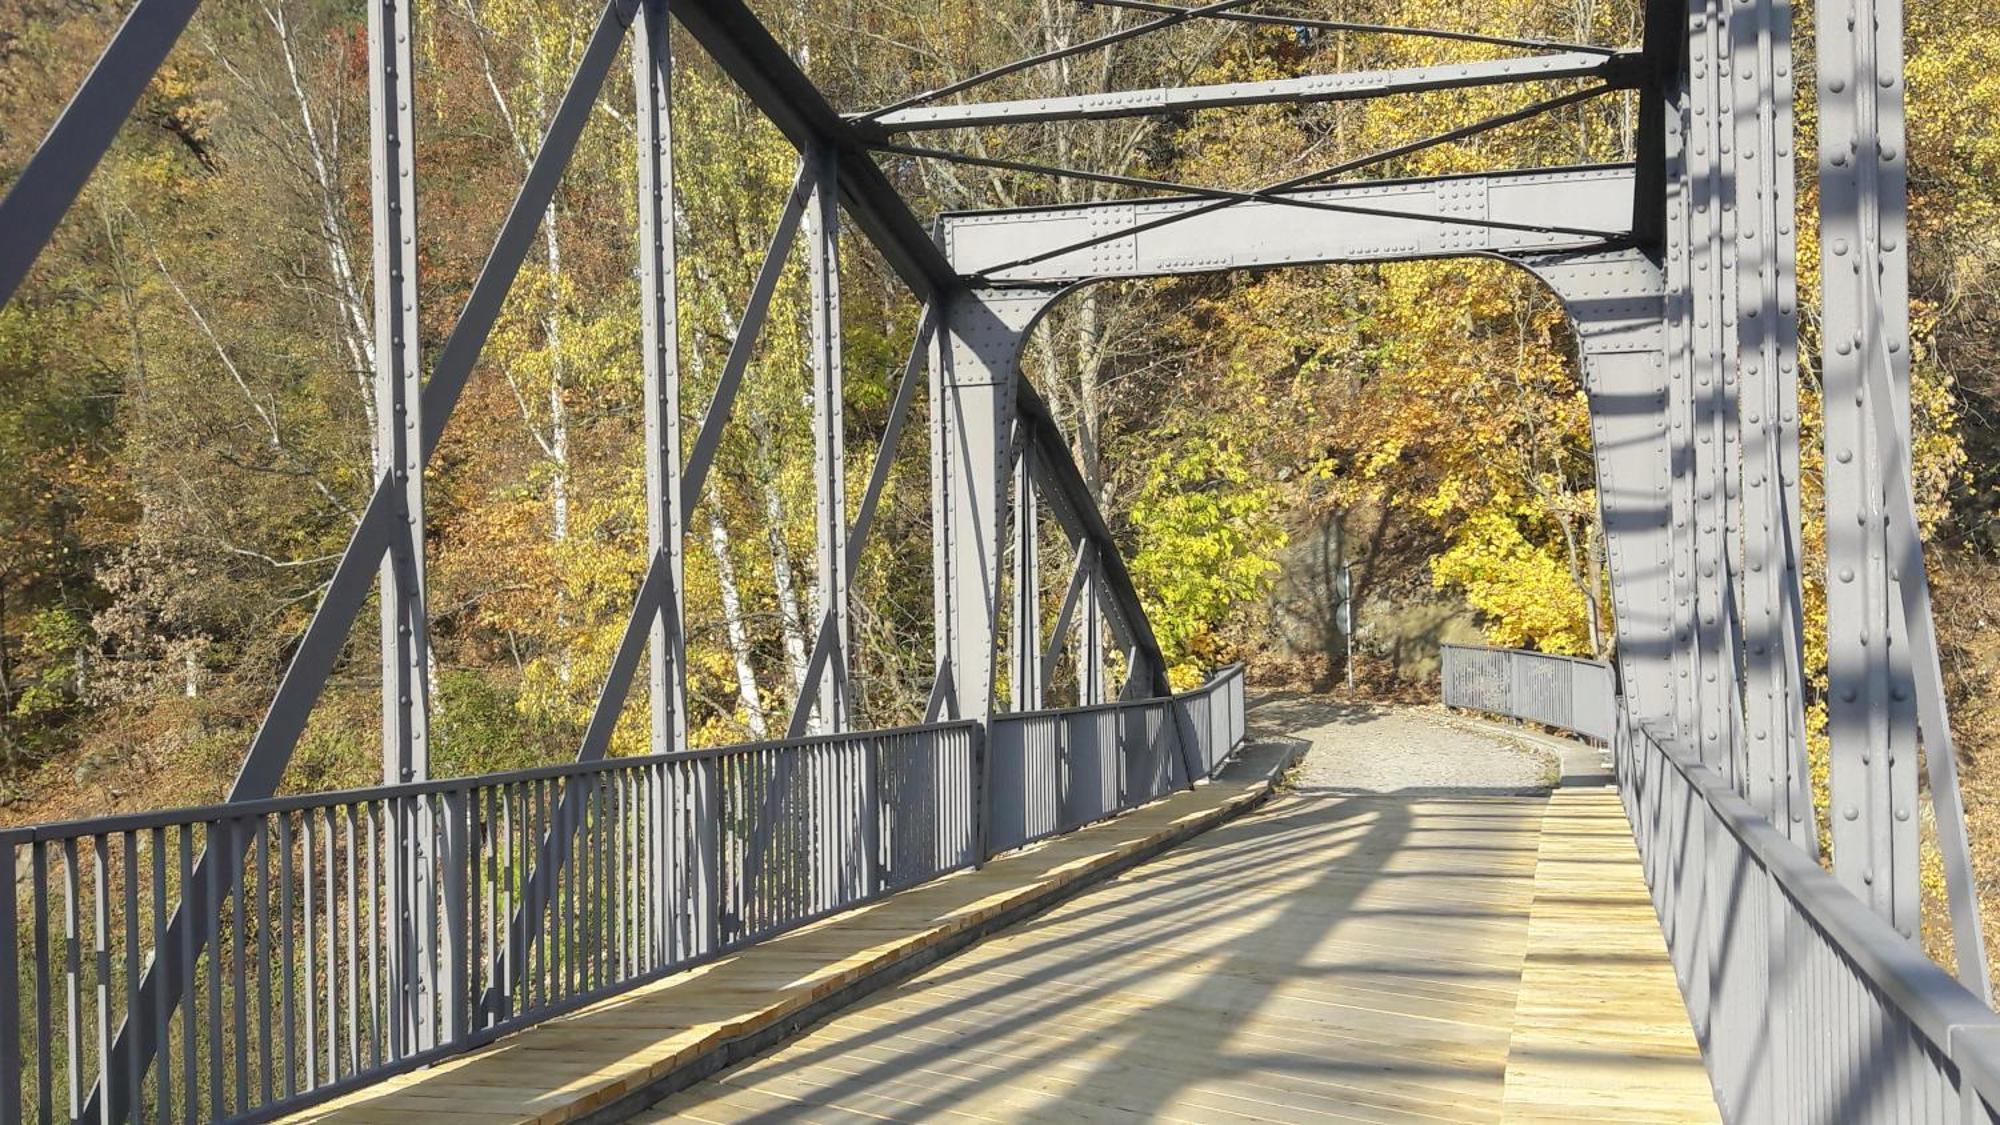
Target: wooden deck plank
1323, 959
1601, 1030
1238, 977
593, 1058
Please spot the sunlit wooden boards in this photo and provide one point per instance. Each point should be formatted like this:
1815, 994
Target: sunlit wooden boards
566, 1068
1600, 1031
1325, 959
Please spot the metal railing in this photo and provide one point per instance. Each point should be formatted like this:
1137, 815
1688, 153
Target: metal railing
1056, 771
340, 938
1559, 691
1809, 1007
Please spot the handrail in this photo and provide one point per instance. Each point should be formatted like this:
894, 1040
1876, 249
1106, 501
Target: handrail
1570, 692
1054, 771
1929, 997
369, 931
196, 814
1463, 647
1810, 1004
1222, 675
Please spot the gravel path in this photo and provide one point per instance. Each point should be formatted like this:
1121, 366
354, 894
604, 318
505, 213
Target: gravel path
1365, 748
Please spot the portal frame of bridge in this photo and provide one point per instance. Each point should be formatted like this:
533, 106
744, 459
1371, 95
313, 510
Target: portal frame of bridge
1684, 311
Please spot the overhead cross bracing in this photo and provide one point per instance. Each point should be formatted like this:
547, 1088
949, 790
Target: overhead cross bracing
1318, 88
1674, 262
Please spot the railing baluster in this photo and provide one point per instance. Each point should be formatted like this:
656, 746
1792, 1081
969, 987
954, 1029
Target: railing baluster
308, 942
162, 1016
286, 952
214, 956
129, 848
100, 859
349, 839
329, 876
674, 857
480, 808
378, 1001
457, 860
44, 969
510, 981
532, 992
73, 1035
190, 1038
239, 1004
262, 827
10, 991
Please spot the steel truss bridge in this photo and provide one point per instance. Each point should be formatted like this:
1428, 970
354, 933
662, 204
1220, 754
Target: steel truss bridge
486, 905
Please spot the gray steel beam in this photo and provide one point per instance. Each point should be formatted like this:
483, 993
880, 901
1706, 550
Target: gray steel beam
398, 387
1445, 218
1024, 673
63, 162
1680, 344
733, 37
1884, 676
1762, 196
652, 68
1665, 40
1615, 69
1871, 721
1615, 302
1710, 357
973, 384
822, 245
1293, 21
399, 448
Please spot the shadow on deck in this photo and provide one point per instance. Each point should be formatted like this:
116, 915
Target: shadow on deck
1324, 957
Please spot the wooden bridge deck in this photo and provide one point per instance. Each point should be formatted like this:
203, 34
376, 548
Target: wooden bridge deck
1324, 958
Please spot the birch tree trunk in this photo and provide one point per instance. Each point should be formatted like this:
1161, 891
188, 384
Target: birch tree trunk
732, 621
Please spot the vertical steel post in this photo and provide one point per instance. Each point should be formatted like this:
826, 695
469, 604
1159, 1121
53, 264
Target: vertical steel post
1709, 300
652, 68
1762, 197
822, 240
1681, 348
1024, 671
1090, 638
399, 452
11, 980
1864, 286
458, 921
659, 330
398, 398
972, 413
1616, 302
